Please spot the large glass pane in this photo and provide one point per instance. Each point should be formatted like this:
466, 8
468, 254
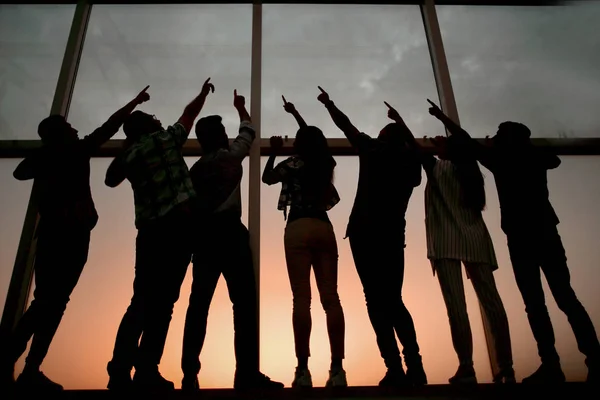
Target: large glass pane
32, 46
173, 48
537, 65
14, 198
362, 55
421, 293
575, 194
84, 341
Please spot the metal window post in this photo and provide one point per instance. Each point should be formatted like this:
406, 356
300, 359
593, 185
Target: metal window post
448, 105
20, 282
254, 179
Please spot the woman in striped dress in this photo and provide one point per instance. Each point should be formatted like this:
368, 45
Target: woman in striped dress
456, 233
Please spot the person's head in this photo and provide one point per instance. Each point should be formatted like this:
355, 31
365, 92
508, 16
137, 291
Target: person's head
139, 123
451, 148
511, 135
395, 134
211, 133
56, 130
310, 142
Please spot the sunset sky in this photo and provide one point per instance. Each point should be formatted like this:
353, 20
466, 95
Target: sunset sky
535, 65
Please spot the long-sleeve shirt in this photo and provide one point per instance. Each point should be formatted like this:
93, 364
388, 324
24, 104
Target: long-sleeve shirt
217, 176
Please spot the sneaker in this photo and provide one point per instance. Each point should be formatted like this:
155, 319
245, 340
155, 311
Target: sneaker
302, 378
394, 378
337, 378
506, 376
255, 380
465, 375
546, 374
36, 381
190, 384
153, 381
119, 383
416, 375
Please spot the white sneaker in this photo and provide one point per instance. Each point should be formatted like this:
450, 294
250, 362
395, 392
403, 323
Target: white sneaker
302, 378
337, 378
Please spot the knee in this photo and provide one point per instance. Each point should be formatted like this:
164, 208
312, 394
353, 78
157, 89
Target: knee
301, 303
331, 302
568, 301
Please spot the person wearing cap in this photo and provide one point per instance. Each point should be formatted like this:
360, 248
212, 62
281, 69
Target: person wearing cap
530, 224
222, 247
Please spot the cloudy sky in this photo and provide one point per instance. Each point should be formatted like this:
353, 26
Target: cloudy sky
537, 65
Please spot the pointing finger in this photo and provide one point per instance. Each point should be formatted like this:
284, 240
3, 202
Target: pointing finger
284, 100
388, 106
321, 89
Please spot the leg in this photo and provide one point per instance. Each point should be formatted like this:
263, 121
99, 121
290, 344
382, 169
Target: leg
298, 260
238, 270
325, 264
451, 282
527, 275
554, 266
377, 308
205, 278
484, 284
166, 261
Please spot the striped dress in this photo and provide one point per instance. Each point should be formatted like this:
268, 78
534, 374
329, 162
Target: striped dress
453, 231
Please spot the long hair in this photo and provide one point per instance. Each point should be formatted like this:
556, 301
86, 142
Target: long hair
316, 178
469, 175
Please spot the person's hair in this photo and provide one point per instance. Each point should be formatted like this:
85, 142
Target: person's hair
317, 175
469, 174
50, 126
516, 129
137, 124
394, 133
210, 132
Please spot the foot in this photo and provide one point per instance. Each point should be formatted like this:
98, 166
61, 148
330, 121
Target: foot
36, 381
302, 378
394, 378
546, 374
506, 375
337, 378
153, 381
190, 384
416, 375
256, 380
465, 375
120, 382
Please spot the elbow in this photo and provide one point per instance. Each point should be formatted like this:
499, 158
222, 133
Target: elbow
111, 182
20, 176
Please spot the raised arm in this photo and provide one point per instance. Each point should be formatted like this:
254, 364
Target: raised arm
113, 124
427, 160
192, 110
243, 142
291, 109
339, 118
272, 175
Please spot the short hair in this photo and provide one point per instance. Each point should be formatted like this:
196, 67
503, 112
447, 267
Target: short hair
134, 123
206, 127
515, 129
51, 124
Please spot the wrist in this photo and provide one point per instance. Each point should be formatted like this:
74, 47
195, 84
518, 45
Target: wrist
328, 103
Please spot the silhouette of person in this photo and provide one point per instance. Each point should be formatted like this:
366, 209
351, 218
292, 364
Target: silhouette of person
456, 232
530, 224
67, 217
389, 171
222, 247
307, 189
152, 161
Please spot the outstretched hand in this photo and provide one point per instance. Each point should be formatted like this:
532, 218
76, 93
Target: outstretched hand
207, 87
393, 113
276, 142
323, 97
143, 96
288, 107
435, 110
238, 101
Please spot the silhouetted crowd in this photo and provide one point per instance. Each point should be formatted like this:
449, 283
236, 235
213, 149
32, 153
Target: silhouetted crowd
194, 214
